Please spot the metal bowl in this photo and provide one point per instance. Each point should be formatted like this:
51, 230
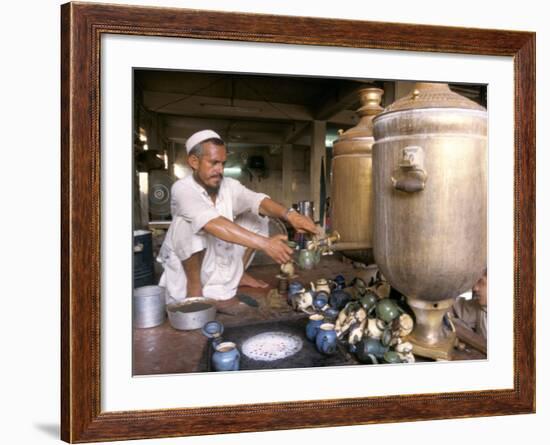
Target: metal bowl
191, 313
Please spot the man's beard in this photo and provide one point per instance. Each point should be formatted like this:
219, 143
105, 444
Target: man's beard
211, 190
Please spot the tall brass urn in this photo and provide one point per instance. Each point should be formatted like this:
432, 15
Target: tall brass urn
352, 196
430, 198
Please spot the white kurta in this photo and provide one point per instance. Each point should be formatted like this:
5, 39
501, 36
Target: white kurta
192, 209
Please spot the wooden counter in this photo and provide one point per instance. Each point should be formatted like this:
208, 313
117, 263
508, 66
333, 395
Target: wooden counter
165, 350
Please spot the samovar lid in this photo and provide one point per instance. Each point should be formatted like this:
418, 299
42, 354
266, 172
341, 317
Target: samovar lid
370, 106
432, 95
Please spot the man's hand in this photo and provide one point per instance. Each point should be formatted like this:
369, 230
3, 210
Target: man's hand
302, 223
277, 248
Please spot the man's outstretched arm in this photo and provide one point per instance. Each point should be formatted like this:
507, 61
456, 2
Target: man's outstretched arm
227, 230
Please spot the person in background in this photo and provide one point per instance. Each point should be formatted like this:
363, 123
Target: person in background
217, 225
473, 312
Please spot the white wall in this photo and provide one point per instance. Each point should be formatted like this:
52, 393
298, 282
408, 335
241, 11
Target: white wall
30, 227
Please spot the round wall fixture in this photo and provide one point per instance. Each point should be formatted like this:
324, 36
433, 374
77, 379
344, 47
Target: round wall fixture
160, 183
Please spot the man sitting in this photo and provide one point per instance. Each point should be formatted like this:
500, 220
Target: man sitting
217, 225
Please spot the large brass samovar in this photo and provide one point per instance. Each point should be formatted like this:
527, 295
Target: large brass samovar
430, 197
352, 197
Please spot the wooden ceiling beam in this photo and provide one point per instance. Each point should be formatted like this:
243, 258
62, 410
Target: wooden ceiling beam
338, 101
204, 106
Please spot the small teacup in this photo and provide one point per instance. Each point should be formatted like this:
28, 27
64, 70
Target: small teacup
392, 357
326, 339
321, 285
312, 327
330, 313
226, 357
339, 282
339, 298
302, 301
294, 287
306, 259
320, 300
370, 350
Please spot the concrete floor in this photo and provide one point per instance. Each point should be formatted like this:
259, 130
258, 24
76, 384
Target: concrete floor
165, 350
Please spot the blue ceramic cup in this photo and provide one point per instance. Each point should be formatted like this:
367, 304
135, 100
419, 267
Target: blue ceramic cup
226, 357
326, 339
331, 313
312, 327
340, 282
212, 329
295, 287
320, 300
339, 298
370, 351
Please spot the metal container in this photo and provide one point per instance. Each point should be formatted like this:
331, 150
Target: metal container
352, 192
430, 198
191, 313
143, 258
148, 306
306, 208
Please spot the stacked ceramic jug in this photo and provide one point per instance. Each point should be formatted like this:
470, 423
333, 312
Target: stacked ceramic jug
430, 199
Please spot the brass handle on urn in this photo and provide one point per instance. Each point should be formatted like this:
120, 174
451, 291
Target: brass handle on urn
410, 176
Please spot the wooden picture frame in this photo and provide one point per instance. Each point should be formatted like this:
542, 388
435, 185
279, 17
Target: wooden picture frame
82, 26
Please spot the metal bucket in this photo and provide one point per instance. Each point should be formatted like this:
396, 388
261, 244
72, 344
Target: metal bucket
149, 306
191, 313
306, 208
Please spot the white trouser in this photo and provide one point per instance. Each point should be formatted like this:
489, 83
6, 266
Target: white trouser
222, 265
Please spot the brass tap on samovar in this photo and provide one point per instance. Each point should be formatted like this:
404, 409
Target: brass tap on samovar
307, 258
324, 244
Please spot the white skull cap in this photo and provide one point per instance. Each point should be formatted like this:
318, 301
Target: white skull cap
200, 136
